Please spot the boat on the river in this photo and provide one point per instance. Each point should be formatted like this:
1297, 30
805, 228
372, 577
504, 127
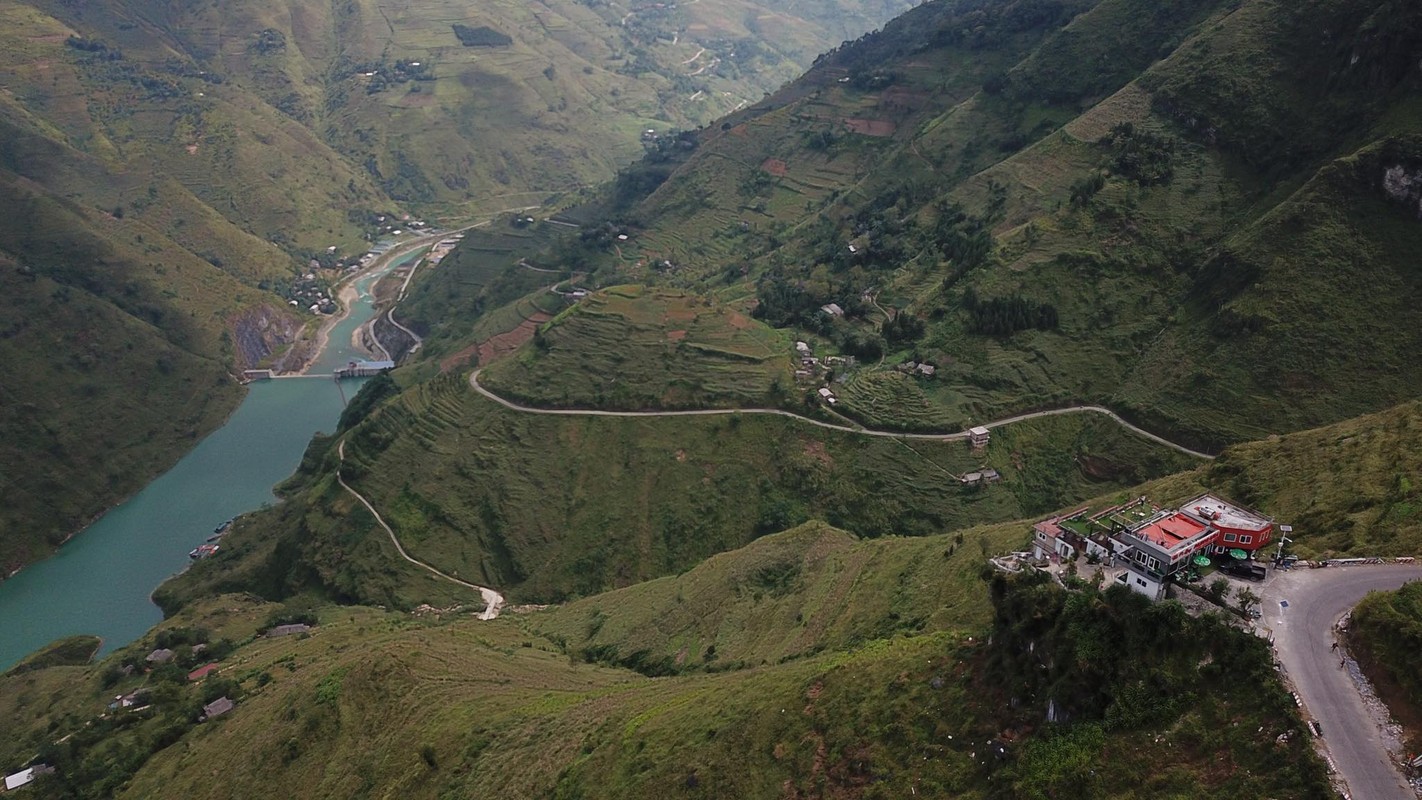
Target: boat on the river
203, 551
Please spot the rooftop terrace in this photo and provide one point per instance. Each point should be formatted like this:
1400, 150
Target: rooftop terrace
1224, 514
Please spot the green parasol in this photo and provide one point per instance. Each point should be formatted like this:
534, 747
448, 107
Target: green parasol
1239, 554
1202, 560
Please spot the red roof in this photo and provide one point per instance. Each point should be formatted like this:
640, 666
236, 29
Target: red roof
202, 672
1170, 531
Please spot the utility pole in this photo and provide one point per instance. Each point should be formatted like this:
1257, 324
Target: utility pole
1284, 531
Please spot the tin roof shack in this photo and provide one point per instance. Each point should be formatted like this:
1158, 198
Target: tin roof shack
217, 708
1239, 527
26, 776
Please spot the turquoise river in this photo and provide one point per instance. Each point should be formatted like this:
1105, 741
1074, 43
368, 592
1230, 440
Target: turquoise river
99, 583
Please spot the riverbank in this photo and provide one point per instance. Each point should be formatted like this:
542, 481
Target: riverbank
101, 580
346, 298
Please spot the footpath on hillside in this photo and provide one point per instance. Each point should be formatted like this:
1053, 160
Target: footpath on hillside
493, 601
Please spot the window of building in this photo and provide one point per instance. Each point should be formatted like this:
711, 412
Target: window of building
1141, 582
1154, 564
1229, 537
1246, 539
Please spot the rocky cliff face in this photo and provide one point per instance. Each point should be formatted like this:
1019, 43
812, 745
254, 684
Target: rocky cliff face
1404, 186
258, 332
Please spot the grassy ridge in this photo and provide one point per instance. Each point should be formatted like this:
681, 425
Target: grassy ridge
374, 702
788, 595
72, 651
1346, 488
550, 507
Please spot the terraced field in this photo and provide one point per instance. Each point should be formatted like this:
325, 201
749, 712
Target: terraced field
634, 348
892, 401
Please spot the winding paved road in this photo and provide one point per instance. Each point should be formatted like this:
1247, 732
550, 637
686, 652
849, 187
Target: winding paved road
942, 437
493, 601
1303, 637
390, 315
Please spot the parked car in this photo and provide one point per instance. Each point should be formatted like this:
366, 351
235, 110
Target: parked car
1248, 570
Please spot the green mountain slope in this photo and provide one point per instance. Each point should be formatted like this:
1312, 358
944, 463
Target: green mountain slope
372, 703
1384, 633
1196, 212
548, 507
496, 105
864, 643
143, 203
167, 164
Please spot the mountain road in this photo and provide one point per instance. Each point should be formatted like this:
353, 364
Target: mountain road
942, 437
1301, 607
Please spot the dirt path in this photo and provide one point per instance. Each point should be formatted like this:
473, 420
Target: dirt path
493, 601
942, 437
874, 301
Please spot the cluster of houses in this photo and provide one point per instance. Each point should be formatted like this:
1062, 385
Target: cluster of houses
814, 369
390, 226
982, 476
1155, 545
311, 291
924, 369
141, 697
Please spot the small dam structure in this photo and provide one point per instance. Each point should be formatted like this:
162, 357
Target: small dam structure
363, 369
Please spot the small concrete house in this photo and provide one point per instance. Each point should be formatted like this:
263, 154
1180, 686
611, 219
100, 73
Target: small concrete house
1143, 582
979, 436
